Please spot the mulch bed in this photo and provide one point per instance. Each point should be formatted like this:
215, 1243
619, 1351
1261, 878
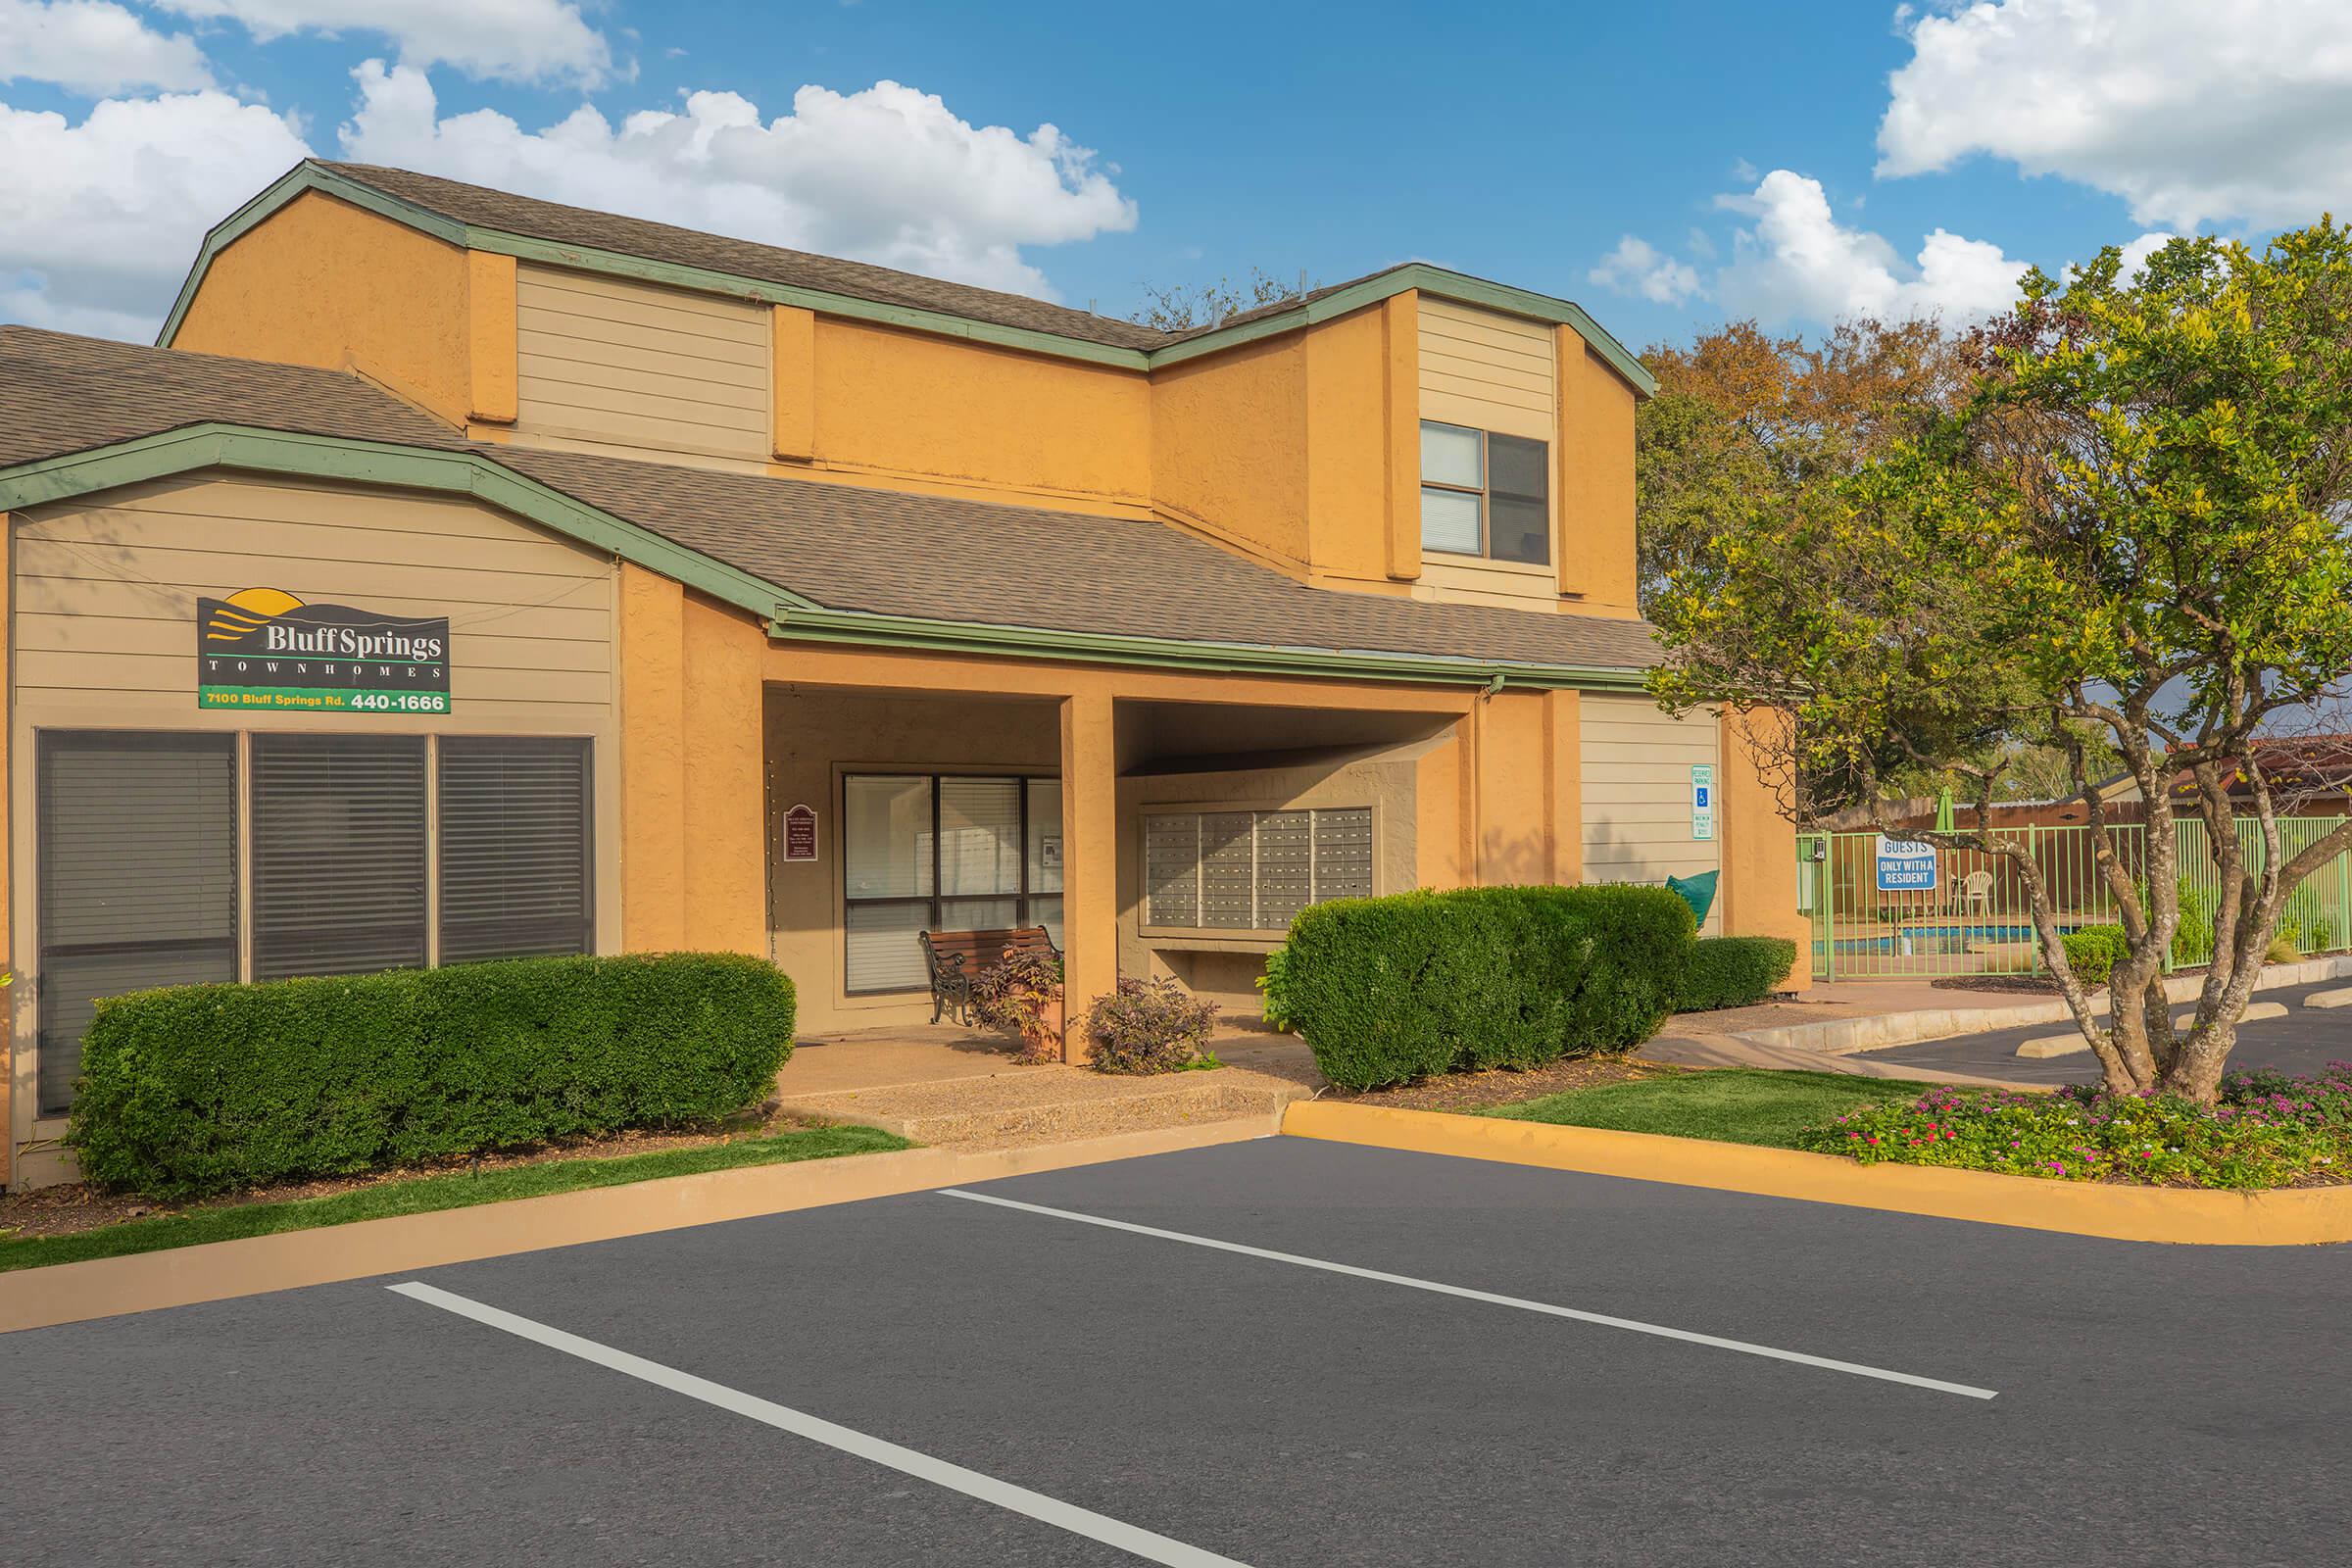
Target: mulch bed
1475, 1091
78, 1206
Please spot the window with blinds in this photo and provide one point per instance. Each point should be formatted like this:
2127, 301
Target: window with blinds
924, 851
1251, 871
137, 877
338, 853
516, 856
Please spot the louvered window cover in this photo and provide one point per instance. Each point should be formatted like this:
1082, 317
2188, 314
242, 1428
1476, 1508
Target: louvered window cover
338, 853
517, 855
137, 877
1251, 871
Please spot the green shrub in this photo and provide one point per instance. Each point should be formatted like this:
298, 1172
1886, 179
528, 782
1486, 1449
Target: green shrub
200, 1089
1391, 989
1274, 992
1734, 971
2094, 950
1149, 1026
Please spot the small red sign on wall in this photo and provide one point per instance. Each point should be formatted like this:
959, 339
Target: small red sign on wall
800, 833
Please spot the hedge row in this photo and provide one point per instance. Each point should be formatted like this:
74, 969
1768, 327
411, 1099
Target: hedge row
200, 1088
1391, 989
2093, 951
1734, 971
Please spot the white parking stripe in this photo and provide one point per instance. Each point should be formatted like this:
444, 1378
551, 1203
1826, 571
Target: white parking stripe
907, 1461
1487, 1297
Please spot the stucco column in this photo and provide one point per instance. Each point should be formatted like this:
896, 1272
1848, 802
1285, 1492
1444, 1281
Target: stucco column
694, 834
1758, 892
1089, 906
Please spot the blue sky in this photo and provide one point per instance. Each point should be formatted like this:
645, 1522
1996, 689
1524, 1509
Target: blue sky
1790, 162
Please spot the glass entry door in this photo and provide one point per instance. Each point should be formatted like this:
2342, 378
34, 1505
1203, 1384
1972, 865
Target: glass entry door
942, 852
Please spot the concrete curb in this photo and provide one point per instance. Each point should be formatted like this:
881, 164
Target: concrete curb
1846, 1037
72, 1293
2288, 1217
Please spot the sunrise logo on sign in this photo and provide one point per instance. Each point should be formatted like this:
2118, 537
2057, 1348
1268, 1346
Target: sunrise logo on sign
263, 648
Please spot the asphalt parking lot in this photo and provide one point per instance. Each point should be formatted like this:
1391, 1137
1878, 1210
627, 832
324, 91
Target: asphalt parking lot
933, 1379
2305, 1041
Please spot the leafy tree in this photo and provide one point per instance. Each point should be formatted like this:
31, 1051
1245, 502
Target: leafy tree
1743, 418
2132, 535
1186, 305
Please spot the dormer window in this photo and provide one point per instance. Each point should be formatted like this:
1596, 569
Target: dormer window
1484, 493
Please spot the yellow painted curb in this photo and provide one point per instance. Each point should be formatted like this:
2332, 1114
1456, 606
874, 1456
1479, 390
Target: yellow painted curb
71, 1293
2294, 1218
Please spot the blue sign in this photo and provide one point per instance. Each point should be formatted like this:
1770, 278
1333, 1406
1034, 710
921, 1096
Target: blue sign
1906, 865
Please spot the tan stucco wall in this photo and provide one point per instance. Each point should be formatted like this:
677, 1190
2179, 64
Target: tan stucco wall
1759, 848
693, 850
892, 405
1229, 447
327, 284
815, 736
1224, 966
1596, 505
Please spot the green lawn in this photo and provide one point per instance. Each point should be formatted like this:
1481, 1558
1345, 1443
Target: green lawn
1729, 1104
427, 1194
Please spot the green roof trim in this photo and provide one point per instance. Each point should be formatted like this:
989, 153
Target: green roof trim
1420, 275
1111, 648
787, 616
245, 449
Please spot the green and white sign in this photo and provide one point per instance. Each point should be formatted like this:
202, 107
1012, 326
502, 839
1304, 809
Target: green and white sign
263, 648
1703, 800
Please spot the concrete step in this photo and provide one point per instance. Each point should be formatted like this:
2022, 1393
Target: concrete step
1051, 1103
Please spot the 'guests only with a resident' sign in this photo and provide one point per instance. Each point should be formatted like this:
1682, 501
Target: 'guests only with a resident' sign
1906, 865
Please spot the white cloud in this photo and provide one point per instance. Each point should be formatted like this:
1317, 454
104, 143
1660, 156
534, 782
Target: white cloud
91, 46
121, 201
2191, 110
1797, 260
506, 40
1637, 267
885, 175
2137, 254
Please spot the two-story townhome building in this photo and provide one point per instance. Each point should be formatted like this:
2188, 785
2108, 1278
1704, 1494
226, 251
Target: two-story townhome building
464, 575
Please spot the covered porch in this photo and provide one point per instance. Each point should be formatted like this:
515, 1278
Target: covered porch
1155, 823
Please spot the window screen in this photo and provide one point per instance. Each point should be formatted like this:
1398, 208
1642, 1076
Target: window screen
1251, 871
338, 853
515, 849
137, 877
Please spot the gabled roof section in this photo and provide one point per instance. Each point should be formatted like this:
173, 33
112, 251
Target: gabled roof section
501, 222
818, 561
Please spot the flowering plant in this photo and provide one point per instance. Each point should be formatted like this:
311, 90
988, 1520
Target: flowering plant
2267, 1130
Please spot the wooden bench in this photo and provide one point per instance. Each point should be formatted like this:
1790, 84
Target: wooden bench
955, 959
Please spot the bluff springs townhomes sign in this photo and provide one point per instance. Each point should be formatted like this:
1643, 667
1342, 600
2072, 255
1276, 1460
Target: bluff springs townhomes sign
265, 648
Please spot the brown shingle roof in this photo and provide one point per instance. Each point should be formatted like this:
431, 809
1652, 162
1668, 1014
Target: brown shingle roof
846, 548
61, 394
560, 224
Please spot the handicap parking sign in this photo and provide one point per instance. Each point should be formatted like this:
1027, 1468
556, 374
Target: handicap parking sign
1906, 865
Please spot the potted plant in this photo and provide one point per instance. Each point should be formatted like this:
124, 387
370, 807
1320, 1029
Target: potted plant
1022, 996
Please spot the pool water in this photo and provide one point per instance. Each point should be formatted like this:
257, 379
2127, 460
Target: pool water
1914, 941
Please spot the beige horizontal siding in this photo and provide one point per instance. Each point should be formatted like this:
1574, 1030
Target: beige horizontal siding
1493, 372
607, 360
105, 596
1636, 787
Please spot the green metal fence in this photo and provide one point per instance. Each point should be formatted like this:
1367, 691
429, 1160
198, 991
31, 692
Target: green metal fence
1883, 909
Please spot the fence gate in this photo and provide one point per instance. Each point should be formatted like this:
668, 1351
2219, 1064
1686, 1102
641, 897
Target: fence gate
1883, 907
